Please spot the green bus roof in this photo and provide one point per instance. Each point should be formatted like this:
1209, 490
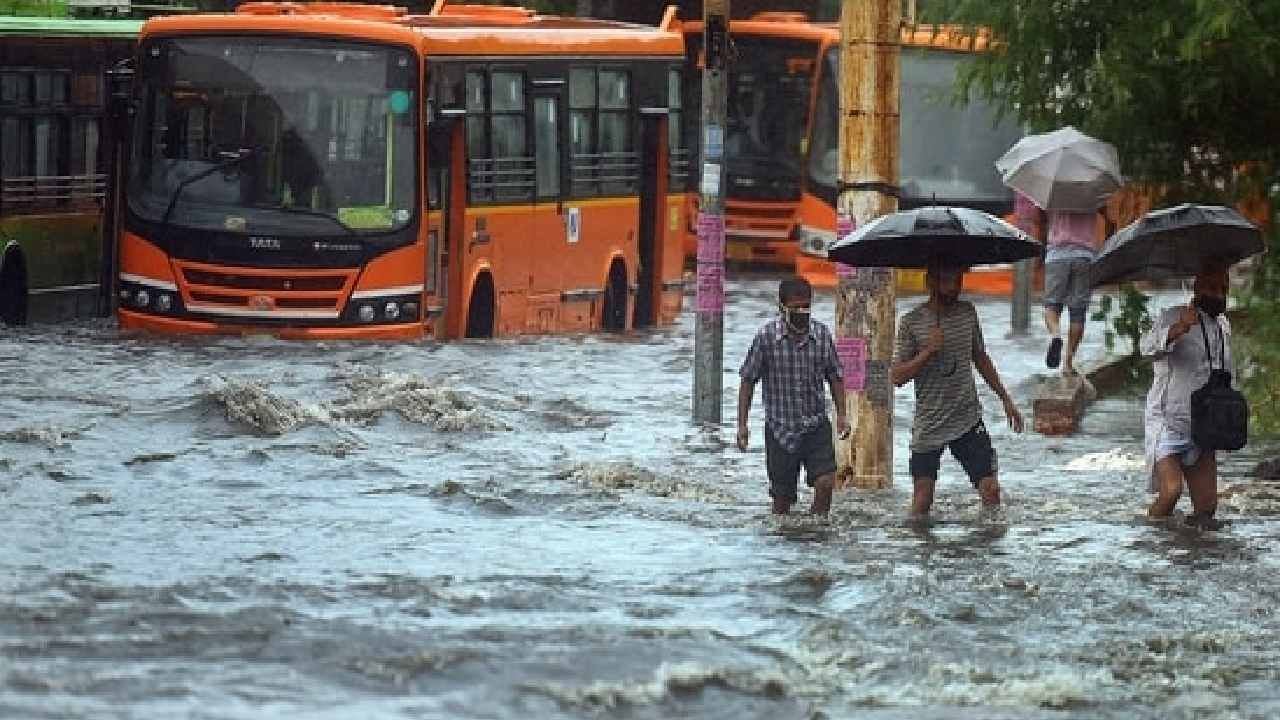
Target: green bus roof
67, 27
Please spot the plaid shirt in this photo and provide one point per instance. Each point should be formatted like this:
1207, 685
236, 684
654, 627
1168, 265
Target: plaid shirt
793, 370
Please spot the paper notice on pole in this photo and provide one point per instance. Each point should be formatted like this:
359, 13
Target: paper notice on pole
853, 361
710, 293
710, 237
713, 142
845, 226
710, 179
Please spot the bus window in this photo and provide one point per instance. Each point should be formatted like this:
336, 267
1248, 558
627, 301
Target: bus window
497, 146
616, 143
582, 104
547, 146
679, 154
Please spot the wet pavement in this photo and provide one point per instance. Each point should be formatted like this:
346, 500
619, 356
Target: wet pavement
532, 528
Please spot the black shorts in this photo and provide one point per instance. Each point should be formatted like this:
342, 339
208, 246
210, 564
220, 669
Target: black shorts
973, 450
816, 453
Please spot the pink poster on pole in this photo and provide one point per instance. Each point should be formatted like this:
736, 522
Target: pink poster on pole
710, 237
710, 294
853, 361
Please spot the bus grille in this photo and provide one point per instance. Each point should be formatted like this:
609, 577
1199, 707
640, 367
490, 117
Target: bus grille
265, 293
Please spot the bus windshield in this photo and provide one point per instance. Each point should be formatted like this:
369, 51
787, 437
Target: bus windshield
946, 152
284, 136
768, 116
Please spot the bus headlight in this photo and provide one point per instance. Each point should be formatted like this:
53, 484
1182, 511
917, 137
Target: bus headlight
164, 302
814, 241
370, 308
142, 298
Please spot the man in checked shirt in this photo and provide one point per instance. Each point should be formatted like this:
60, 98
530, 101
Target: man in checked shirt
794, 355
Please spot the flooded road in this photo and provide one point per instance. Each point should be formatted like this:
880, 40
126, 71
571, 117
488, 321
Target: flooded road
250, 528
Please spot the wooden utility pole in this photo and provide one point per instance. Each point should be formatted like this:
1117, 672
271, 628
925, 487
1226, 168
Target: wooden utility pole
870, 37
708, 363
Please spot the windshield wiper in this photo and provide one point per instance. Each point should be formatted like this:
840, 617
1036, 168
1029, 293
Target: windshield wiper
229, 159
316, 213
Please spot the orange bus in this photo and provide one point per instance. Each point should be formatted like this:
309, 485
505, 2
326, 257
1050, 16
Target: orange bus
782, 128
329, 170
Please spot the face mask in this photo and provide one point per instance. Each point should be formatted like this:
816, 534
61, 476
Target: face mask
949, 298
1212, 306
797, 319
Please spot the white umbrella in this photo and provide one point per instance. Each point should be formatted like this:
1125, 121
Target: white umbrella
1062, 170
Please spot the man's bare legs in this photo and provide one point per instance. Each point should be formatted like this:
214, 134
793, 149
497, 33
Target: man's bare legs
1202, 481
922, 497
989, 491
923, 488
823, 487
1075, 331
1169, 480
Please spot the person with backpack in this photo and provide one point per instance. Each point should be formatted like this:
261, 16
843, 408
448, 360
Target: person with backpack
1185, 343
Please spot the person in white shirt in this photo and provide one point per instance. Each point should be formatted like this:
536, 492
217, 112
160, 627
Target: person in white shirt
1176, 343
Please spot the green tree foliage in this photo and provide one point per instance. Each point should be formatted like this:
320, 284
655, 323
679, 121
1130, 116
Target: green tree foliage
1187, 90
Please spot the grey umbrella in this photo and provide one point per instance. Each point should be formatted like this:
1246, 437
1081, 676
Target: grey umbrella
914, 238
1062, 170
1176, 242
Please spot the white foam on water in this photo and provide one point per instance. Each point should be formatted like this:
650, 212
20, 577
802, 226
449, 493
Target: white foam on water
627, 476
969, 685
249, 402
415, 399
1111, 460
670, 678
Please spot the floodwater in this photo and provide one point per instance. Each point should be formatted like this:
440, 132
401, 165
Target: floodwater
250, 528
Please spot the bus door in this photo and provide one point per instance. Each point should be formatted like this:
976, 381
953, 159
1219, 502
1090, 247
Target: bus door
653, 181
445, 203
551, 219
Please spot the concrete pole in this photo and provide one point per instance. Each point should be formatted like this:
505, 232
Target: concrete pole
708, 364
1027, 218
870, 37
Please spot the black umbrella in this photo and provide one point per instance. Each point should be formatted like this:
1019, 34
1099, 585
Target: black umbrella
914, 238
1176, 242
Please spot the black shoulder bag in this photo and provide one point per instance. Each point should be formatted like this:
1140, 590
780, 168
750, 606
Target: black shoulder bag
1219, 413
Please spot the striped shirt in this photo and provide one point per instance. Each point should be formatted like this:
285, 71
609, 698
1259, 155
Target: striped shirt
946, 395
794, 370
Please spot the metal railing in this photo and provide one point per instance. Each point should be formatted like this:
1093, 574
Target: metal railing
48, 189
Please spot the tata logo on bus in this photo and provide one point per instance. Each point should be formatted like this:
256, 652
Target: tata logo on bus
262, 303
261, 242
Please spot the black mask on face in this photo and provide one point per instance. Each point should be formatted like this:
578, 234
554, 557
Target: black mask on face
796, 319
1212, 306
949, 298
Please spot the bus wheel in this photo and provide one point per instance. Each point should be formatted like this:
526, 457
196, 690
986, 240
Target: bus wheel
614, 316
13, 289
480, 312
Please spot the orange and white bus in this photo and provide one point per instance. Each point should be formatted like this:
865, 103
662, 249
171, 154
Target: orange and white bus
783, 123
329, 170
774, 63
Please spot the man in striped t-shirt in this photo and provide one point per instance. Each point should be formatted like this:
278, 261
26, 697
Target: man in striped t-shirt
795, 356
939, 344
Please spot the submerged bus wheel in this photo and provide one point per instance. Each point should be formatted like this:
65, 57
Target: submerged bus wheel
614, 316
480, 312
13, 289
